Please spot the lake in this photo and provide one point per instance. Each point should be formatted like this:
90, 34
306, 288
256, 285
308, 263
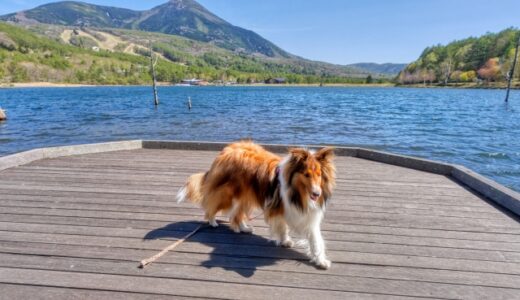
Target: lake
474, 128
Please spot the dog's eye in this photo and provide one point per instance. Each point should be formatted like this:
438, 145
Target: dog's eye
307, 175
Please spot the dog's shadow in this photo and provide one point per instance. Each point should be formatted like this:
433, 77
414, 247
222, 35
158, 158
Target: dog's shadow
238, 252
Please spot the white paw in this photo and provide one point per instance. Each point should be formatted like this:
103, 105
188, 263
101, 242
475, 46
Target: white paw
323, 263
287, 243
246, 229
213, 223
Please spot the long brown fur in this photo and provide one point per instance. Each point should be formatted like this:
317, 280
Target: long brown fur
244, 177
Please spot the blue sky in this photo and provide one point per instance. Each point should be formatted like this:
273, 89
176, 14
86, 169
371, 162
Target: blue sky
347, 31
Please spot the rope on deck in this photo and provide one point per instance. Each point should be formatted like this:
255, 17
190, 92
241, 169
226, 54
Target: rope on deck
150, 260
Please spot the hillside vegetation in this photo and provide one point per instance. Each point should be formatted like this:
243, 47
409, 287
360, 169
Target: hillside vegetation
485, 60
57, 55
383, 69
185, 18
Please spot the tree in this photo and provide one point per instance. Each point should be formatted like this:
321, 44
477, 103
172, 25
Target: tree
369, 79
446, 70
468, 76
491, 70
455, 76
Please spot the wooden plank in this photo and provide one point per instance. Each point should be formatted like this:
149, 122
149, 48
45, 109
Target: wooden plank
69, 174
334, 211
346, 174
172, 207
347, 204
263, 278
488, 261
337, 232
339, 195
335, 241
357, 218
167, 286
24, 291
253, 244
179, 180
252, 264
172, 231
337, 198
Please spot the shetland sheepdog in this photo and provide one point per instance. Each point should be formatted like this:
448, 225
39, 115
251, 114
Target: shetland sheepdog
292, 192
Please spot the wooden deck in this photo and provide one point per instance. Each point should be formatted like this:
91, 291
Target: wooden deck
77, 226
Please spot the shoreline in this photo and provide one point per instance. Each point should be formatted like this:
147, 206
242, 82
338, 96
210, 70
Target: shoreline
65, 85
76, 85
168, 84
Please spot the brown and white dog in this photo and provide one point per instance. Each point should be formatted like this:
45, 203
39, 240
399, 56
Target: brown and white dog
292, 191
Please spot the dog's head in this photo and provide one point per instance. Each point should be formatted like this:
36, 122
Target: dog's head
310, 177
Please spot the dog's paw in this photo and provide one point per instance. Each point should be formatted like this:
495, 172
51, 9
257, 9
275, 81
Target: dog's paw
287, 243
246, 229
213, 223
323, 264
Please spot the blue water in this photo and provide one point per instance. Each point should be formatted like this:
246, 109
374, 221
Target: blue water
474, 128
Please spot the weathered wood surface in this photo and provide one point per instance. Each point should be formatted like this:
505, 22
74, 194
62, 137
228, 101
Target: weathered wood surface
77, 226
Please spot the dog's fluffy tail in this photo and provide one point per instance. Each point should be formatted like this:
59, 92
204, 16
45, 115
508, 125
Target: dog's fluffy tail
192, 189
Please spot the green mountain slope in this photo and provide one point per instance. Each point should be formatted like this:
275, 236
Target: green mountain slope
389, 69
180, 17
119, 56
76, 13
484, 59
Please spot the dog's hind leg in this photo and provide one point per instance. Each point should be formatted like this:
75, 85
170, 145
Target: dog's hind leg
212, 220
220, 200
280, 231
238, 216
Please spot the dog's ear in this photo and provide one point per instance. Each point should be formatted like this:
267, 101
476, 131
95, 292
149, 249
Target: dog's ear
325, 155
299, 154
328, 171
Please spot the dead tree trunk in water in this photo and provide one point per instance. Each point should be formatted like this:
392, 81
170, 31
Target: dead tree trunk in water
512, 72
153, 63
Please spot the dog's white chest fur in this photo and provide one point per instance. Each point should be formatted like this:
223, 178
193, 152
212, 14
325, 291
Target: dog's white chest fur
306, 223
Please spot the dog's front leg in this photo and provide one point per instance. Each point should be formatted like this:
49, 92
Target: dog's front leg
280, 230
317, 248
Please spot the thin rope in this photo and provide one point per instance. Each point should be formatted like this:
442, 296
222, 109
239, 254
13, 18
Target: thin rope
150, 260
261, 213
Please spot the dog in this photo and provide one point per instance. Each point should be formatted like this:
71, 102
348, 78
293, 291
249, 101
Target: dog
292, 191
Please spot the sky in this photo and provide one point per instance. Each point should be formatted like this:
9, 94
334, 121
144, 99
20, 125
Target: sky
348, 31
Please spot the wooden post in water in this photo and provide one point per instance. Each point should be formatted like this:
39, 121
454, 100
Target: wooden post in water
511, 73
189, 103
153, 63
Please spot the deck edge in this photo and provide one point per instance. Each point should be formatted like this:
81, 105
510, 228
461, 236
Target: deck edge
26, 157
217, 146
501, 195
409, 162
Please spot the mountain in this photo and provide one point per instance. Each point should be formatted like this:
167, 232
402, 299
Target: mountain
388, 69
189, 40
185, 18
61, 54
487, 58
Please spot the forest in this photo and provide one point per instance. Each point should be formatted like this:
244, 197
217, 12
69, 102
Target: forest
486, 59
